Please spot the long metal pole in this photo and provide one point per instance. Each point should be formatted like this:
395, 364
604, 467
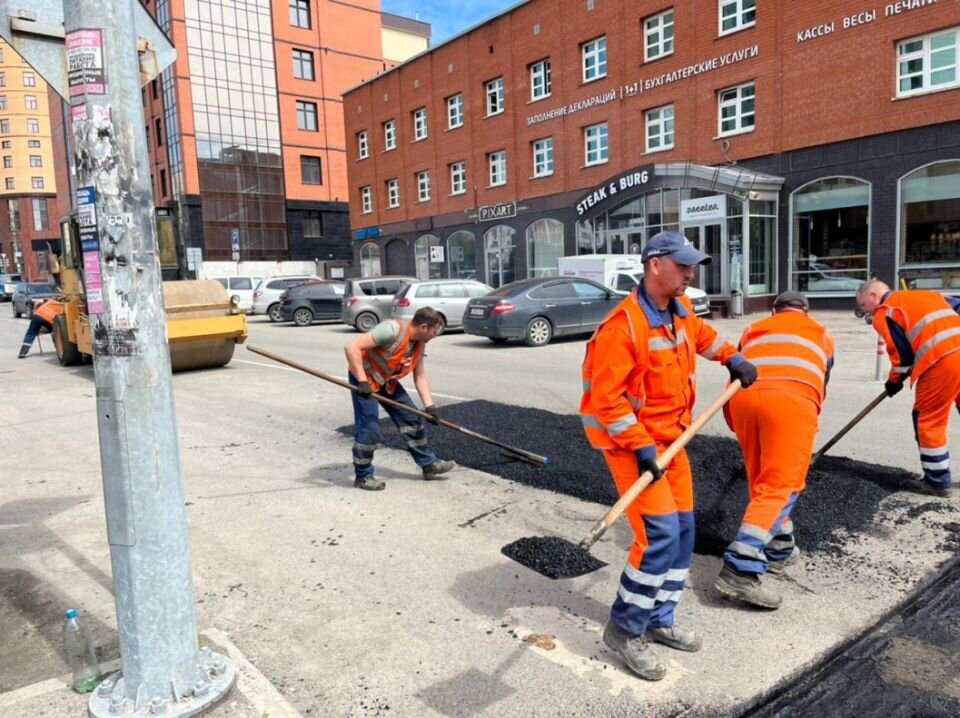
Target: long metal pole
163, 670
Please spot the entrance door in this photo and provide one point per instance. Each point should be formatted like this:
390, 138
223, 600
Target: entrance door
711, 239
624, 241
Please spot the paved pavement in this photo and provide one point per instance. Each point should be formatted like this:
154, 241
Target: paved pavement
399, 603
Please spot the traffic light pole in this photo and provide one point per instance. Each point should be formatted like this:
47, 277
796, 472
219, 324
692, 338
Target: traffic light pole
163, 672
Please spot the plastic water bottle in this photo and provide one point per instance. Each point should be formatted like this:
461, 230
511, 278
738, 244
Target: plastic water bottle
80, 653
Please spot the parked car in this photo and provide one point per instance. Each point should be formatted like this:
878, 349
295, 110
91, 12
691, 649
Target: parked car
447, 296
28, 293
318, 299
8, 283
822, 278
536, 310
241, 287
266, 295
369, 301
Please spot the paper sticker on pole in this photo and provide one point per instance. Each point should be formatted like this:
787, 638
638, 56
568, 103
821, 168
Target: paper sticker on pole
90, 247
85, 72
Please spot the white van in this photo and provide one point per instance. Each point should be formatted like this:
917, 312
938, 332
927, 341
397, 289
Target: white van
241, 287
621, 273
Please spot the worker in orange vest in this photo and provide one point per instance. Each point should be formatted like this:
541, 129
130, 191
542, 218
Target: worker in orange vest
922, 333
639, 390
776, 424
378, 360
42, 318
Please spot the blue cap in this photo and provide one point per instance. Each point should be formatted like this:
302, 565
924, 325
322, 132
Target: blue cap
71, 613
676, 246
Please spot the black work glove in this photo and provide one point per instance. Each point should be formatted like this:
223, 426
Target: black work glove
647, 461
434, 413
892, 387
364, 390
744, 371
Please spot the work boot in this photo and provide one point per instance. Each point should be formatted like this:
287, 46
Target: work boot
635, 651
371, 484
681, 639
22, 354
778, 567
432, 472
745, 587
922, 486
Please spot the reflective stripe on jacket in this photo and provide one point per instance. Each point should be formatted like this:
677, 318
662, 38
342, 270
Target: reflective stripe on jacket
919, 327
790, 346
48, 310
391, 364
639, 376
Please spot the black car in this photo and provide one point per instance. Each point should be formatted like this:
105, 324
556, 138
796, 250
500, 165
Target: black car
29, 293
315, 299
536, 310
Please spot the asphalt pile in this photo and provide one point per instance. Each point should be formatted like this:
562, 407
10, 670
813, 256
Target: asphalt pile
552, 556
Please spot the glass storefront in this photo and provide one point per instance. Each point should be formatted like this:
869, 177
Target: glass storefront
429, 264
370, 260
544, 248
930, 226
831, 235
501, 255
462, 255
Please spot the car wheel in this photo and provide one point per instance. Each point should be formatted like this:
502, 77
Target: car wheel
539, 332
443, 325
67, 351
274, 312
303, 317
16, 314
498, 340
366, 321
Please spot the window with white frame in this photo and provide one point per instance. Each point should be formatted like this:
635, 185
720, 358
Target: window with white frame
543, 157
389, 135
595, 144
454, 112
366, 199
30, 102
928, 63
540, 80
423, 186
420, 124
659, 123
495, 96
33, 125
737, 14
458, 178
363, 145
498, 167
393, 193
736, 109
658, 36
594, 59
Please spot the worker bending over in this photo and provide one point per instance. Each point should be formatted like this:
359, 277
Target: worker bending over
378, 360
776, 424
922, 333
42, 318
638, 395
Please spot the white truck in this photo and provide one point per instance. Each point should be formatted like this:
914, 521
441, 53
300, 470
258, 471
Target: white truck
621, 273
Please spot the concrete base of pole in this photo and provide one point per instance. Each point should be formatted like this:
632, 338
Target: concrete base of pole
216, 675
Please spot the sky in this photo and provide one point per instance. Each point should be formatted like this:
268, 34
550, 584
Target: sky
447, 17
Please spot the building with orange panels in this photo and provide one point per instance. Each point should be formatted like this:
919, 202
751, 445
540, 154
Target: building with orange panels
246, 129
803, 145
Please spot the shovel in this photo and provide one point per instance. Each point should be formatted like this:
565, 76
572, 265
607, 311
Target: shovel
555, 557
511, 451
850, 424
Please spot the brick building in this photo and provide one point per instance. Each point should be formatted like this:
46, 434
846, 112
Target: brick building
804, 145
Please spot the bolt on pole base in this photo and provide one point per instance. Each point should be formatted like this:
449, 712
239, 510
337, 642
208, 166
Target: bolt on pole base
216, 675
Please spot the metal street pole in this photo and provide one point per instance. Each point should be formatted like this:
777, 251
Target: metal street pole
163, 671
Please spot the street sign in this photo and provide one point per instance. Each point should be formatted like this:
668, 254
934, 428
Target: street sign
235, 243
194, 258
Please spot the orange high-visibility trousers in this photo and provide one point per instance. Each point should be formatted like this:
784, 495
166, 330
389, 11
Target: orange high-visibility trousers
937, 392
659, 560
776, 425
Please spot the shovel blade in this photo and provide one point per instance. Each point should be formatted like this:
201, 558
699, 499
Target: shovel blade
552, 556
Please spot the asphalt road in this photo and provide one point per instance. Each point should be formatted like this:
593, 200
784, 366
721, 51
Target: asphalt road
400, 603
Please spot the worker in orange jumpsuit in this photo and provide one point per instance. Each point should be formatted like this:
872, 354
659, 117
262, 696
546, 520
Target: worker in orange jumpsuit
776, 424
922, 333
42, 318
639, 390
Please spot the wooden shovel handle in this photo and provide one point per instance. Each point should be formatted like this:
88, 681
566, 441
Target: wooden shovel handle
662, 461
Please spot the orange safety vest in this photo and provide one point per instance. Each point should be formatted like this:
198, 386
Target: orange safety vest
639, 377
388, 365
48, 310
930, 325
790, 346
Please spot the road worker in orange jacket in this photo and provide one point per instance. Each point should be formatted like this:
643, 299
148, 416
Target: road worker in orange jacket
43, 317
378, 360
639, 390
922, 333
776, 424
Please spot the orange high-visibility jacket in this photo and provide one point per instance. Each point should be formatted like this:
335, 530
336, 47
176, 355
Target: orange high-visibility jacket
790, 346
48, 309
639, 377
390, 364
919, 328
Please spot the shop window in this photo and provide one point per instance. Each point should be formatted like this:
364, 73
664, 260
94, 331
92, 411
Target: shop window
370, 260
930, 224
544, 247
428, 256
500, 255
830, 242
763, 243
462, 252
928, 63
658, 36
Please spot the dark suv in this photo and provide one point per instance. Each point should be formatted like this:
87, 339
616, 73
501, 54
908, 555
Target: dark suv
316, 299
369, 301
